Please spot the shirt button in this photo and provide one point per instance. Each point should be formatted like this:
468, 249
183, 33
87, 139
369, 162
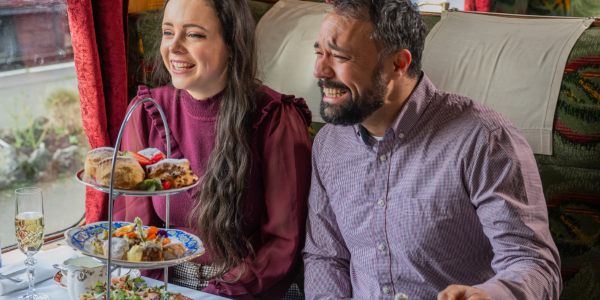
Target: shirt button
383, 158
381, 247
400, 296
380, 202
386, 290
401, 135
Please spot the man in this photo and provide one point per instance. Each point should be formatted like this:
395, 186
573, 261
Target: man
415, 190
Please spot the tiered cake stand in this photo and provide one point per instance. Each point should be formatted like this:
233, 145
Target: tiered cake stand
78, 242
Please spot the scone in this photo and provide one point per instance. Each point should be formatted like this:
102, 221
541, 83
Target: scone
94, 157
128, 173
88, 179
176, 171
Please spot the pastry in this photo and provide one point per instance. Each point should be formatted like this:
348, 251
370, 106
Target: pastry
94, 157
135, 253
132, 167
119, 248
135, 243
174, 250
146, 157
152, 154
177, 172
98, 246
88, 179
152, 251
128, 173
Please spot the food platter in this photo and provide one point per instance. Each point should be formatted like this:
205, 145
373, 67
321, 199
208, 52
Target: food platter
77, 237
61, 280
105, 189
80, 239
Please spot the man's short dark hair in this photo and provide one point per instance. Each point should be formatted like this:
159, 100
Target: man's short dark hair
398, 25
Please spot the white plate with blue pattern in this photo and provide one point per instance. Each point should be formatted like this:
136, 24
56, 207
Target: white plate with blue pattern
80, 239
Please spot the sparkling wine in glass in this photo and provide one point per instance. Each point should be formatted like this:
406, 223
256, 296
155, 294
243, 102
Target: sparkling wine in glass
29, 229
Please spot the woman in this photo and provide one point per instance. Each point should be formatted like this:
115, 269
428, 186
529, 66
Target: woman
248, 143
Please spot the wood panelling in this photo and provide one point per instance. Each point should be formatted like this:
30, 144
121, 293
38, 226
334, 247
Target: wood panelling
144, 5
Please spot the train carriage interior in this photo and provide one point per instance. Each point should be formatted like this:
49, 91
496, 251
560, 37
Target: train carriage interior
57, 104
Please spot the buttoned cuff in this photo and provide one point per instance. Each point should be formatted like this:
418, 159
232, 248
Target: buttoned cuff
496, 290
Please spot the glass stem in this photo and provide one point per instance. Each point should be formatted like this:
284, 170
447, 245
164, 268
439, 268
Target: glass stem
30, 263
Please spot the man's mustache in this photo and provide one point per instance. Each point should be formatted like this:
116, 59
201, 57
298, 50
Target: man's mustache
326, 83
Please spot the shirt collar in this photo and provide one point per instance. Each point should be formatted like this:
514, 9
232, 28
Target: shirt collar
409, 115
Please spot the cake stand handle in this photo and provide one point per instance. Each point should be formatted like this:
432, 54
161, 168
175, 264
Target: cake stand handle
167, 228
112, 196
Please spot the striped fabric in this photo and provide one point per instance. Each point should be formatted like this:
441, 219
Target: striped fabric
451, 195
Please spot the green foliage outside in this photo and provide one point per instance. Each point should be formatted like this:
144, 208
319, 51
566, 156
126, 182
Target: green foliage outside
64, 110
58, 129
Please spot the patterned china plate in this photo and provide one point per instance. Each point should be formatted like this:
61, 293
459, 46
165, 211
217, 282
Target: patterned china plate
79, 177
61, 281
80, 239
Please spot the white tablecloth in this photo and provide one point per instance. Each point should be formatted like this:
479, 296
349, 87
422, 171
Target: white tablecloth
55, 292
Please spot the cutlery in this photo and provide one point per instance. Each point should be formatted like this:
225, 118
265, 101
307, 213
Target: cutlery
2, 276
15, 272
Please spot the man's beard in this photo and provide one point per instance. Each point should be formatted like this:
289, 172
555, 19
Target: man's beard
356, 108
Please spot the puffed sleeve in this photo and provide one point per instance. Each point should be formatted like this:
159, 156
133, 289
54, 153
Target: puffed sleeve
135, 138
286, 172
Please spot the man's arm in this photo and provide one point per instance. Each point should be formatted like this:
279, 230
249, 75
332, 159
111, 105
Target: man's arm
506, 189
326, 257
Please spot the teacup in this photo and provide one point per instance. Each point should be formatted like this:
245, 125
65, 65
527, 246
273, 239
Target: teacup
83, 274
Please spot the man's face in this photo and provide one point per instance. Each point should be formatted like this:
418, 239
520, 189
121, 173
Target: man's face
348, 70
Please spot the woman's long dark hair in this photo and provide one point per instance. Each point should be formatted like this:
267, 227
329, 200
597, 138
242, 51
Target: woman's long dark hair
218, 214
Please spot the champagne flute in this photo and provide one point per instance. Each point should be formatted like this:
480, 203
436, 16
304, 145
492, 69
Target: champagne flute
29, 229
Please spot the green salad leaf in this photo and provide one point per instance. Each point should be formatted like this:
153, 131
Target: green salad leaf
150, 185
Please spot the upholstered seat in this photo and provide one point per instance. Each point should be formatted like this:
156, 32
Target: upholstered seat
571, 175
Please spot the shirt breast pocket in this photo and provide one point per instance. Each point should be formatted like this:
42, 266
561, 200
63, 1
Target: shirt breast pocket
428, 229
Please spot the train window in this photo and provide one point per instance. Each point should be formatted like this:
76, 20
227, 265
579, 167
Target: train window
42, 142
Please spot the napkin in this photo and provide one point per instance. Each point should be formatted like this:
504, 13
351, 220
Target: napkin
43, 268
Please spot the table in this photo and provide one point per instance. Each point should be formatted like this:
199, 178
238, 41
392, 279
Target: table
55, 292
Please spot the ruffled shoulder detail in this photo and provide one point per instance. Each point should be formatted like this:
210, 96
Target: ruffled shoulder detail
163, 96
271, 100
143, 92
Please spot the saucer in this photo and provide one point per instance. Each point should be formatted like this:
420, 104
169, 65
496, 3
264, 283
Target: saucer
61, 281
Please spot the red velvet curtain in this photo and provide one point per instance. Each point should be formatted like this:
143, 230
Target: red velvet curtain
478, 5
98, 31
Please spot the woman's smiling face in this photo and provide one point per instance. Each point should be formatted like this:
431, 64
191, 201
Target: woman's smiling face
193, 48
